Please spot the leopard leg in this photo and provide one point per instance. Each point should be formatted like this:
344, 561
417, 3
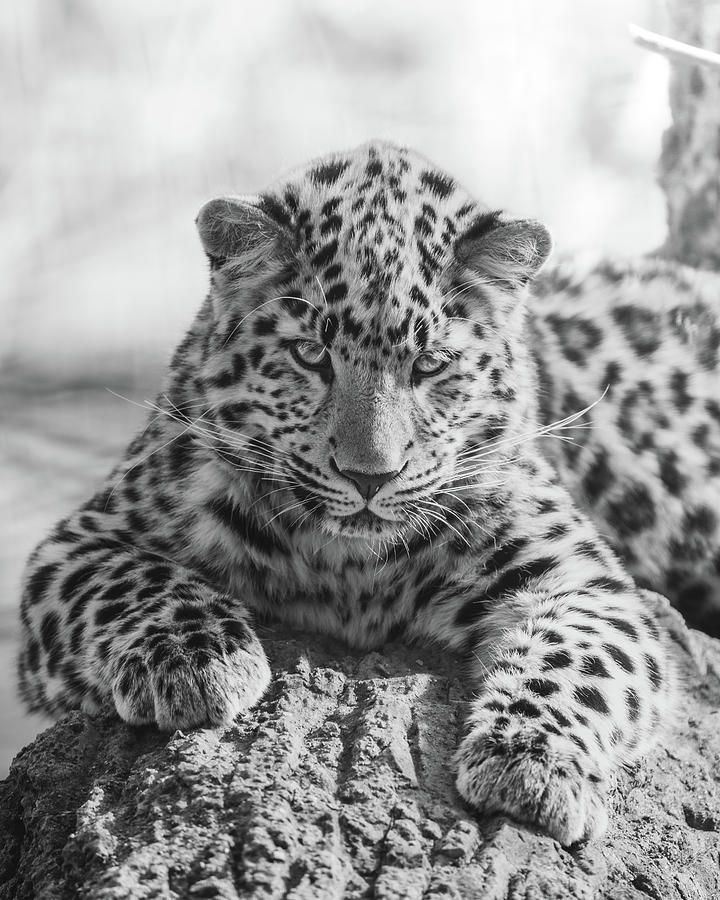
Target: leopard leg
107, 625
571, 687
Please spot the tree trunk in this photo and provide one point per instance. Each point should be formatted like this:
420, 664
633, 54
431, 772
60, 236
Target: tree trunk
690, 162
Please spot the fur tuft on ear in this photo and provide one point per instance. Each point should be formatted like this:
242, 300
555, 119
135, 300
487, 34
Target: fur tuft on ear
508, 253
236, 229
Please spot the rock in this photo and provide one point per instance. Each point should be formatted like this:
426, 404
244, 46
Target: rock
340, 784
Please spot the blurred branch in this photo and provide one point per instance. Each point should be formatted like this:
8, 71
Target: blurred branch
666, 46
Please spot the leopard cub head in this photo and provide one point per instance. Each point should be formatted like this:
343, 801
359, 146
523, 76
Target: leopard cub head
366, 337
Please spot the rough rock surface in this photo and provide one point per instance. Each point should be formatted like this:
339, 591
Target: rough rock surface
338, 785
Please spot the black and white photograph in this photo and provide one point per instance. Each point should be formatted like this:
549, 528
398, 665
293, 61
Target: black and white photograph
360, 450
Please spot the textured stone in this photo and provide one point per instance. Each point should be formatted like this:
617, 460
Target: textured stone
340, 784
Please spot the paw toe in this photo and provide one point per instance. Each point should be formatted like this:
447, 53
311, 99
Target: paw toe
572, 812
213, 691
177, 686
131, 692
531, 789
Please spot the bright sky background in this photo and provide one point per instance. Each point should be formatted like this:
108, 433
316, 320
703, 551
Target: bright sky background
121, 117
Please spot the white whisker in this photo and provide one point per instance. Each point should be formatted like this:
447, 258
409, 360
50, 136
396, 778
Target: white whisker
265, 303
285, 509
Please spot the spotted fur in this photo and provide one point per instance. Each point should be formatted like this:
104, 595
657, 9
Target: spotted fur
646, 336
348, 441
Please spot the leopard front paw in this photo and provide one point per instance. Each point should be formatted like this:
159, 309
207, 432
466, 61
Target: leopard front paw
535, 778
185, 680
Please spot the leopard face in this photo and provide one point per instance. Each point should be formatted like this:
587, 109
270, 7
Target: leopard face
365, 339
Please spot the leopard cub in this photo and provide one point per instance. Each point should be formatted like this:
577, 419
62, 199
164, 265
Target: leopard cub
361, 386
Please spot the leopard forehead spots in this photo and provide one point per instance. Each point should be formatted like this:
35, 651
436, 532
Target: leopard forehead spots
375, 227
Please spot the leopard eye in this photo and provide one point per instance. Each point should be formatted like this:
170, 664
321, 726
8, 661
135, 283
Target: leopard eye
428, 364
310, 355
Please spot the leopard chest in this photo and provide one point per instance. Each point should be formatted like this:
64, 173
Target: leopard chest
361, 601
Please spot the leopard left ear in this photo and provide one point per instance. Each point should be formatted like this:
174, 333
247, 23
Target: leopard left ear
507, 253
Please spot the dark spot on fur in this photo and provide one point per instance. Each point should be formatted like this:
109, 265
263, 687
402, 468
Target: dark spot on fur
670, 474
592, 698
516, 578
109, 612
599, 476
620, 657
325, 255
593, 665
578, 337
561, 659
440, 185
336, 292
541, 686
679, 389
633, 511
622, 625
633, 704
653, 671
40, 582
611, 377
524, 708
328, 173
49, 628
642, 328
559, 717
418, 296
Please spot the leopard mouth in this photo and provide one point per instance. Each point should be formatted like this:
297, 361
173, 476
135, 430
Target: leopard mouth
364, 524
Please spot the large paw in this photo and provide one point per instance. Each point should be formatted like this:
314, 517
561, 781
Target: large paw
181, 680
536, 778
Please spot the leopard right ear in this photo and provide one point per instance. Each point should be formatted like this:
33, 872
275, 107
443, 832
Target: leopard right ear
238, 230
506, 252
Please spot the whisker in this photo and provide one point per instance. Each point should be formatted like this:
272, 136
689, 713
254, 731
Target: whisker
490, 447
249, 440
147, 456
405, 545
265, 303
443, 519
206, 431
284, 510
300, 520
461, 288
326, 544
319, 284
267, 494
141, 461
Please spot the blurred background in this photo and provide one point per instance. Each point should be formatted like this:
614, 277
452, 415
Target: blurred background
119, 118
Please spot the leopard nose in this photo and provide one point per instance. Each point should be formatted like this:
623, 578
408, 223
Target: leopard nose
368, 483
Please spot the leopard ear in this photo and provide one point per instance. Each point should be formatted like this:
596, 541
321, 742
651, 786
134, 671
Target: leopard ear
237, 229
507, 253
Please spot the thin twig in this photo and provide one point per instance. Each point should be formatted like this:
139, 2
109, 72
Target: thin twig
666, 46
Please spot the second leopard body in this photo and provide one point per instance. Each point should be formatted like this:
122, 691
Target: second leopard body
347, 441
644, 336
